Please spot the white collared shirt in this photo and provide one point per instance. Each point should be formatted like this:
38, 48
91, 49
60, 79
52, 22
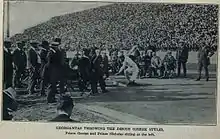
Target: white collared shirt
6, 49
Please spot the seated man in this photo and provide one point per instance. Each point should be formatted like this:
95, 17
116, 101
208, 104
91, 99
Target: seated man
156, 65
169, 63
64, 110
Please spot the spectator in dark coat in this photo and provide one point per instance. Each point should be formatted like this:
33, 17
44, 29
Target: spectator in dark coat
35, 64
20, 63
8, 65
96, 73
182, 57
56, 70
64, 110
44, 66
105, 65
84, 69
204, 55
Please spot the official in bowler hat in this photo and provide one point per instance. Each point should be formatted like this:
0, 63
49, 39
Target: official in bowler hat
34, 65
56, 70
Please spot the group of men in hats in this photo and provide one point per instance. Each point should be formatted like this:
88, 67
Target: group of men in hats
44, 61
46, 67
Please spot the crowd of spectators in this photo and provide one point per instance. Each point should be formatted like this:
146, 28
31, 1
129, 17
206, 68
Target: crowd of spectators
125, 25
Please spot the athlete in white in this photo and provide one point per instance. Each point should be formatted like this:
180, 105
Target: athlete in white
130, 68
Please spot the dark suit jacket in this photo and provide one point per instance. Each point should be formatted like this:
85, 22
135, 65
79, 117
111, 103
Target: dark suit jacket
84, 67
32, 58
55, 57
96, 65
62, 118
43, 56
182, 54
20, 59
203, 56
8, 67
55, 64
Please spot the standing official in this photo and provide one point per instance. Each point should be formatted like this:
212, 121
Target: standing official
204, 55
20, 63
56, 70
96, 73
182, 57
105, 65
35, 64
8, 67
84, 69
44, 66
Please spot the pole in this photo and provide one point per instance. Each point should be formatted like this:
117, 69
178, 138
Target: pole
7, 20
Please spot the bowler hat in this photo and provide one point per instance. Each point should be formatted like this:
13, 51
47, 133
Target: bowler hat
44, 43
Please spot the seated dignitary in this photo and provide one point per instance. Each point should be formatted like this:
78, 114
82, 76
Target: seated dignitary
169, 63
20, 63
64, 110
156, 65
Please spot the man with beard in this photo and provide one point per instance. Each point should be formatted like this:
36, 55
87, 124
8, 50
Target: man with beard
35, 64
20, 63
8, 66
56, 70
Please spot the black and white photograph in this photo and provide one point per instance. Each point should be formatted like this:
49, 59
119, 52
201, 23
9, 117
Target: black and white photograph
110, 63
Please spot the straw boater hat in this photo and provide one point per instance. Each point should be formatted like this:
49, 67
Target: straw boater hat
32, 42
54, 43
